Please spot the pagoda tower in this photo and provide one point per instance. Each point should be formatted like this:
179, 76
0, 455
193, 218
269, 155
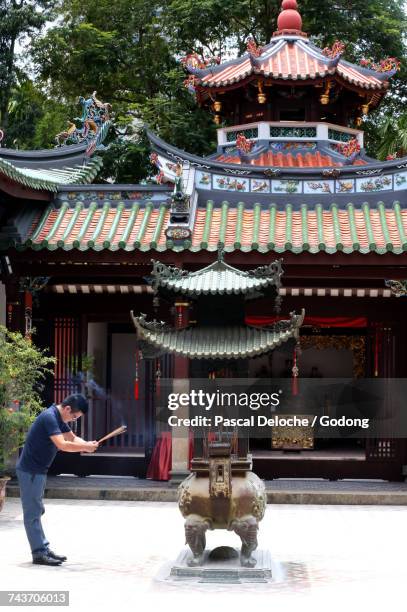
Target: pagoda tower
289, 118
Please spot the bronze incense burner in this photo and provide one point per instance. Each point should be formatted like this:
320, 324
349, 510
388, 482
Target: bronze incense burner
222, 493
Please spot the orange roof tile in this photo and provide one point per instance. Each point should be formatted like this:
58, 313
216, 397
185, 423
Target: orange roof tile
365, 229
300, 160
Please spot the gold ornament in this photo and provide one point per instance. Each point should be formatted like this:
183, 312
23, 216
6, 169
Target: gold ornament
217, 106
324, 99
261, 96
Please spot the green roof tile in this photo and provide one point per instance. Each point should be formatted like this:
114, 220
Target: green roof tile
218, 343
107, 243
129, 226
147, 214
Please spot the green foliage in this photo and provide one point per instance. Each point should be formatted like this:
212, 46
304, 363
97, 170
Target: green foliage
393, 136
372, 28
34, 119
23, 368
17, 20
128, 51
126, 162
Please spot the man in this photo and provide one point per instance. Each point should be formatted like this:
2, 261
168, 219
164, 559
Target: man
48, 434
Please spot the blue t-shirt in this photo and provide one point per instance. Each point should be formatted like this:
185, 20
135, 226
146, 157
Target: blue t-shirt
39, 450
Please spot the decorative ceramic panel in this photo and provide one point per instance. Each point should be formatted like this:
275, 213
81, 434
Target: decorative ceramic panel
292, 132
319, 187
292, 186
203, 180
374, 184
293, 146
229, 183
400, 181
105, 196
345, 186
260, 186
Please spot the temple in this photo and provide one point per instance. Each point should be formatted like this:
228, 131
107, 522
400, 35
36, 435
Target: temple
290, 179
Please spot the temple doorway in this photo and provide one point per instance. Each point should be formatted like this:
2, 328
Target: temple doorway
322, 356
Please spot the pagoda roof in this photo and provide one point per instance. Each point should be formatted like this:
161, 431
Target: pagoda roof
293, 59
289, 58
218, 278
217, 342
370, 225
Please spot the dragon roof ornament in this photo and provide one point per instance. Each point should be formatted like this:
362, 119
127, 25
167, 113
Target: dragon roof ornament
90, 127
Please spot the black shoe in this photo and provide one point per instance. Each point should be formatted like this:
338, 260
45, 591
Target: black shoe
51, 554
45, 559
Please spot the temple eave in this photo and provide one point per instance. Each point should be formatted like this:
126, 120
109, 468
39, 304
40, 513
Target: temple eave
218, 343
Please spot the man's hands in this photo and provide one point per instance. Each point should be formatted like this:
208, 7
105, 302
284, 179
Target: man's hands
90, 447
74, 444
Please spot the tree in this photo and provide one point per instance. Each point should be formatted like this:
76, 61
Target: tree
393, 136
372, 28
23, 369
129, 51
18, 18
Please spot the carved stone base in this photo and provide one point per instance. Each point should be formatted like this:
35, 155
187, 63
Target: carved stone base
224, 571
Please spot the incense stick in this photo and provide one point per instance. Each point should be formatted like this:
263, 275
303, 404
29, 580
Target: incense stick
115, 432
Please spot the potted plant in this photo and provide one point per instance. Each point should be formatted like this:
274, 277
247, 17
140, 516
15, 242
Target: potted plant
23, 368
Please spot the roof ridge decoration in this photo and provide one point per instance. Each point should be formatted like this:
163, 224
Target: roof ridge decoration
94, 123
289, 20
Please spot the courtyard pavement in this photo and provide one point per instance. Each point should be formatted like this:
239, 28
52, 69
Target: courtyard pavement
119, 554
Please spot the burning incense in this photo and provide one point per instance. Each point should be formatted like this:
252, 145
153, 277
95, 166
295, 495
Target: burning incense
113, 433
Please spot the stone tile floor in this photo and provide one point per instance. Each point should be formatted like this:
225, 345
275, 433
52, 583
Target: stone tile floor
325, 558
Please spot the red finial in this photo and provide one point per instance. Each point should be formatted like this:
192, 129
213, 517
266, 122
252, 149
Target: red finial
289, 18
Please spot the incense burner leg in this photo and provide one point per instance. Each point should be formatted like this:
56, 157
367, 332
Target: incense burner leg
195, 528
246, 528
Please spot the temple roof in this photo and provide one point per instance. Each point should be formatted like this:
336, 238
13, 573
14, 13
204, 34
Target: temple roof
68, 163
284, 156
217, 342
75, 223
280, 159
291, 58
217, 278
48, 179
